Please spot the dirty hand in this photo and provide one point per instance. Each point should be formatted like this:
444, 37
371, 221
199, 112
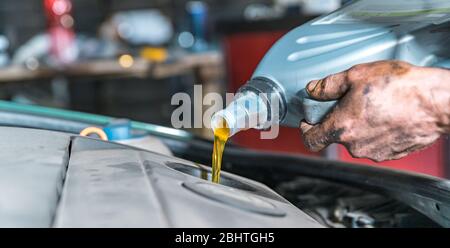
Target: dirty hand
386, 109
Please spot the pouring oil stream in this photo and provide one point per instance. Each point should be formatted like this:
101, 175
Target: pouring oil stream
246, 111
221, 135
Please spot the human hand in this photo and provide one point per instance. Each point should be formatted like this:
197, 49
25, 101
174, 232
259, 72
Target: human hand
386, 109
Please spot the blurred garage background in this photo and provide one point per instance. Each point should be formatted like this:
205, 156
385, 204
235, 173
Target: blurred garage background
127, 58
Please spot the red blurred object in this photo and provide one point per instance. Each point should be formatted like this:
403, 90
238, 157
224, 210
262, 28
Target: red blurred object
244, 51
431, 161
60, 28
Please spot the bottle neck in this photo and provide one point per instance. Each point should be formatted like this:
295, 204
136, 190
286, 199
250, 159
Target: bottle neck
258, 104
246, 111
271, 94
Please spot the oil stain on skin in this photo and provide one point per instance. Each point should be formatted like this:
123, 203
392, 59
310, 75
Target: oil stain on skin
331, 137
398, 68
367, 89
387, 80
335, 135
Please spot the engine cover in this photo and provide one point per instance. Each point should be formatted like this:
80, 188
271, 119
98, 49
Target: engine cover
51, 179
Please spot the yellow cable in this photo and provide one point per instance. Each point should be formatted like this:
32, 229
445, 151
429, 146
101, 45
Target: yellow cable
90, 130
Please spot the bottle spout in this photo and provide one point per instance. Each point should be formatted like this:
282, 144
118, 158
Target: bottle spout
247, 110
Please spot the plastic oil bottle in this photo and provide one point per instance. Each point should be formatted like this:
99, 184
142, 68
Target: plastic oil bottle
415, 31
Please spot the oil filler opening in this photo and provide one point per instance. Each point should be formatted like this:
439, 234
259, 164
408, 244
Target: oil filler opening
204, 173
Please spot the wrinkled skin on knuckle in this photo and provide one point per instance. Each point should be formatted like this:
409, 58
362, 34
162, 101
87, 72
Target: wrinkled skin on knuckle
308, 141
356, 73
314, 144
330, 132
313, 148
311, 141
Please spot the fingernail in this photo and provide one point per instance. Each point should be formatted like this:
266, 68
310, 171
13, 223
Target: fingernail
311, 85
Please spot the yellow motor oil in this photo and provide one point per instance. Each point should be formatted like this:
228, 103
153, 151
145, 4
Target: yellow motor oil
221, 135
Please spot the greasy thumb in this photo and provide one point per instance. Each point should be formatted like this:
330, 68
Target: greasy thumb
332, 87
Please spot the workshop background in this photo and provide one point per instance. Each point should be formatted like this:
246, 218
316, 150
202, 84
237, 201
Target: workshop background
127, 58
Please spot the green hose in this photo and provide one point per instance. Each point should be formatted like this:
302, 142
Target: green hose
99, 120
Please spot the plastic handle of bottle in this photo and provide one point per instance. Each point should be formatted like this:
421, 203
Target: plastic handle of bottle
314, 111
443, 64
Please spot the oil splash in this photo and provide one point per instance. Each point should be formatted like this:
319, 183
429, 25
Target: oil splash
221, 135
